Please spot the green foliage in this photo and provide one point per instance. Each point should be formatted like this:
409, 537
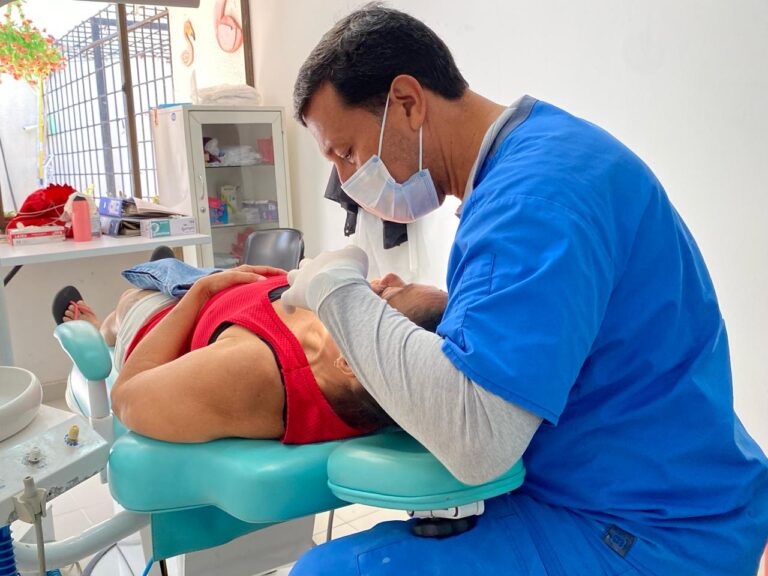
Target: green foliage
26, 53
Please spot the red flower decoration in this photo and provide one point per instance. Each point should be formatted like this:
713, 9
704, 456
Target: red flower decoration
24, 52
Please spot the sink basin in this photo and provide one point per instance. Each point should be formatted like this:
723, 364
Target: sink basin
20, 397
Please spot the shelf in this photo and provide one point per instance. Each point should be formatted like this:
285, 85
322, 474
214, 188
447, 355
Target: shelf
207, 166
237, 225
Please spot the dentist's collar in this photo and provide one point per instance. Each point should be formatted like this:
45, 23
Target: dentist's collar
508, 116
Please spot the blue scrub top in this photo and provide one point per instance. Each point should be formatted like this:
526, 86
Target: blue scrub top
577, 292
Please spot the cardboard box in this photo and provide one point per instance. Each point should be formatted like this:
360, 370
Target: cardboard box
35, 235
174, 226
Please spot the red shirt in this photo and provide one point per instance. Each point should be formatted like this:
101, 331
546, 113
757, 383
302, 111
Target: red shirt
309, 416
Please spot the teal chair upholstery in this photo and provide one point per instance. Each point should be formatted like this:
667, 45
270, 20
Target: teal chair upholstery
392, 470
202, 495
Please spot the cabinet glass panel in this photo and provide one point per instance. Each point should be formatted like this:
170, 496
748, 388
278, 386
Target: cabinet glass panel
241, 185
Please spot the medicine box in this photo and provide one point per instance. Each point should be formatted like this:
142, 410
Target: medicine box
35, 235
217, 211
175, 226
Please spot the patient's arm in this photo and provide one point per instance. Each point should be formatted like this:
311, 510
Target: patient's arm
156, 380
230, 388
170, 338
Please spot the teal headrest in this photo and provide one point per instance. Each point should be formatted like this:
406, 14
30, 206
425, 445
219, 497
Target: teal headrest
392, 470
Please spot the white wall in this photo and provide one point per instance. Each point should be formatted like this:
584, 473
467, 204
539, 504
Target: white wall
211, 65
18, 109
682, 83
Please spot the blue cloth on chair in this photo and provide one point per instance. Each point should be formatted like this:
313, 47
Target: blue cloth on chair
172, 277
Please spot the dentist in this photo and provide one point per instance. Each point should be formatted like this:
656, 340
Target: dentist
582, 330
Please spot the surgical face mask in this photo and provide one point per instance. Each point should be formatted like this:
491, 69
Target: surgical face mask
373, 188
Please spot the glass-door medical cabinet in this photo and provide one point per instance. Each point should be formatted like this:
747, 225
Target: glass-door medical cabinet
227, 167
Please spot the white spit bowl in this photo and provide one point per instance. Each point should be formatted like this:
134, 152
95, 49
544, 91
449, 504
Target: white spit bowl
20, 397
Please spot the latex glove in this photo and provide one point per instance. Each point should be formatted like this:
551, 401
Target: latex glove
317, 278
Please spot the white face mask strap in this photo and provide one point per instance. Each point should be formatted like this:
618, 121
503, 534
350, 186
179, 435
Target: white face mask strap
420, 147
383, 122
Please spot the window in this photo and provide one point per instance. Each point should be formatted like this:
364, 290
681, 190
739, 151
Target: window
88, 145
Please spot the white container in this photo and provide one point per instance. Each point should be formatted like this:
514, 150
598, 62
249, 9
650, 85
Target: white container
171, 226
20, 397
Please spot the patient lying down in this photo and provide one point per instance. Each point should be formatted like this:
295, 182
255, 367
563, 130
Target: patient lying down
226, 360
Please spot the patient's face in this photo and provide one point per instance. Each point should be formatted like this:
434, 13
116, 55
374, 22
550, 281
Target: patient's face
388, 285
414, 301
421, 304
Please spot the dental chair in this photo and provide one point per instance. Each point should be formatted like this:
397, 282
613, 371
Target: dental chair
198, 496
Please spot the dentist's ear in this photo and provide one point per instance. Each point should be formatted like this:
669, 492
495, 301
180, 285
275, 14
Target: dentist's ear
343, 366
407, 92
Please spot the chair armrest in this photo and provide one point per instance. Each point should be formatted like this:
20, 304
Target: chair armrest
84, 344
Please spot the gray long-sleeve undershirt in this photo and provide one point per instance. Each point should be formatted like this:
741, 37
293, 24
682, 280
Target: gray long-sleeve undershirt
476, 434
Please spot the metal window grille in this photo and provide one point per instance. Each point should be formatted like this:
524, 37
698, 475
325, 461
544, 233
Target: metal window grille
86, 114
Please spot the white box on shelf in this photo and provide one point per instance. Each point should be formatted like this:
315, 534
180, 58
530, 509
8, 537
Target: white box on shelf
175, 226
35, 235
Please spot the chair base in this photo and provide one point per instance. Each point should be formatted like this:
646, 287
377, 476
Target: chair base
442, 527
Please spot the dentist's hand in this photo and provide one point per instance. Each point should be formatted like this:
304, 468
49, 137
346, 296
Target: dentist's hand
317, 278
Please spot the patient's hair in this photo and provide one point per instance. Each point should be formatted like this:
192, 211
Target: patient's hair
354, 404
424, 306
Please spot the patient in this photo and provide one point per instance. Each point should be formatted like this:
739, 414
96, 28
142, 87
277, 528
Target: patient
226, 360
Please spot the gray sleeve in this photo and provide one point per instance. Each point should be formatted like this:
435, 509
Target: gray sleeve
476, 434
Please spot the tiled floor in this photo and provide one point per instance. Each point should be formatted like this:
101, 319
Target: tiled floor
90, 503
351, 519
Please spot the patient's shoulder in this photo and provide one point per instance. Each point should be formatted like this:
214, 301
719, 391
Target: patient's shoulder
237, 334
247, 369
247, 352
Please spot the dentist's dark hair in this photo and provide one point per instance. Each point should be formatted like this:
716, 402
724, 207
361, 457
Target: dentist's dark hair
366, 50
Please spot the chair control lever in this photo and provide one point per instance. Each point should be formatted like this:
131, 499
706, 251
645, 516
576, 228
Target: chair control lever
447, 521
452, 513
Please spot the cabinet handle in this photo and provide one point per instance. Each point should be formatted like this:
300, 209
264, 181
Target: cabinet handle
202, 187
202, 210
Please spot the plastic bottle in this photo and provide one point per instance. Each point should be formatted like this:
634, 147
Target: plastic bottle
81, 219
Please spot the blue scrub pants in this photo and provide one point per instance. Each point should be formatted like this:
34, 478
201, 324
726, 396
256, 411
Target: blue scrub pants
515, 536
